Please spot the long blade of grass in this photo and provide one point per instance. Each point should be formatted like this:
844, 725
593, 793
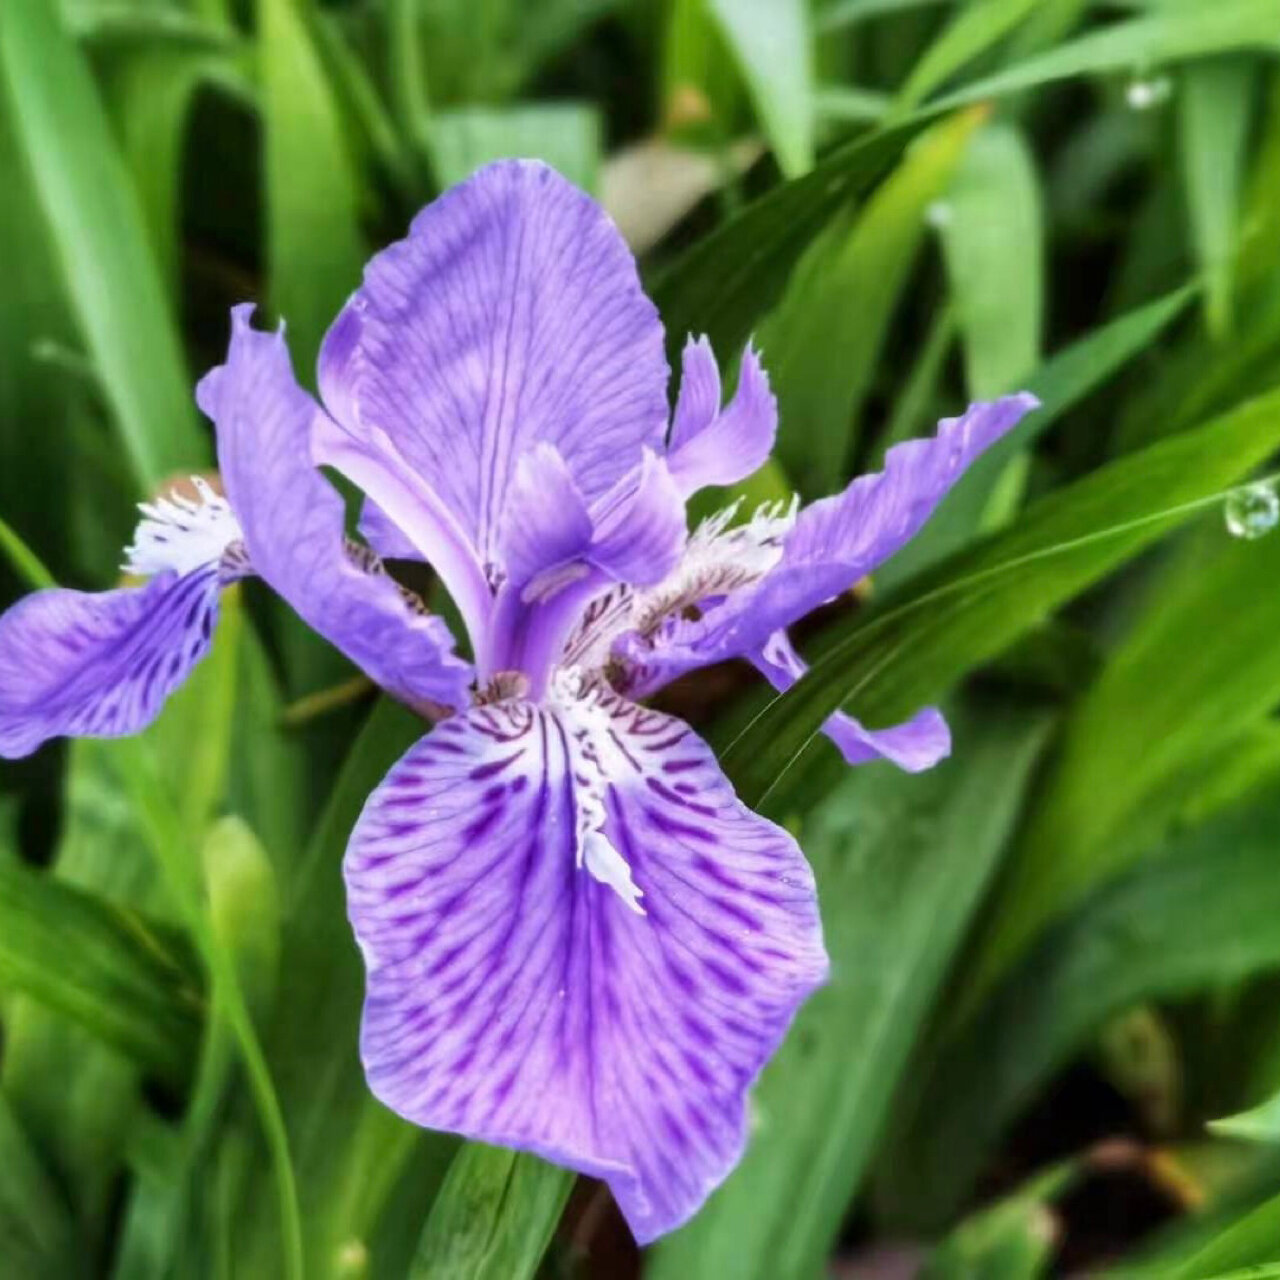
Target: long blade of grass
1200, 915
128, 980
772, 43
108, 267
493, 1218
823, 343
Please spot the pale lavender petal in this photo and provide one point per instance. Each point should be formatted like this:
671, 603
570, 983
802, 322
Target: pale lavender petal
293, 526
100, 664
839, 540
722, 447
382, 533
512, 314
545, 524
640, 526
519, 998
916, 745
834, 544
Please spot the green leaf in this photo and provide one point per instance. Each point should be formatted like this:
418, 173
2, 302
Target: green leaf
823, 343
128, 980
151, 95
564, 134
37, 1240
973, 30
108, 267
993, 247
1166, 33
887, 663
1215, 111
728, 281
1014, 1239
315, 249
1061, 383
902, 863
1202, 914
772, 43
1209, 629
493, 1218
312, 1042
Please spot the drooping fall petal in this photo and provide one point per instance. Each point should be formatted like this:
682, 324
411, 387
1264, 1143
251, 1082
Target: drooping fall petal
579, 943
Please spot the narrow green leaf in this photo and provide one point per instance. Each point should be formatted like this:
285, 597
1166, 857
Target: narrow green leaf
1165, 33
822, 345
24, 562
108, 267
493, 1218
564, 134
1065, 380
993, 247
727, 282
1201, 914
1216, 109
902, 863
312, 1043
129, 981
772, 43
1014, 1239
889, 662
1209, 630
315, 249
974, 29
37, 1239
151, 95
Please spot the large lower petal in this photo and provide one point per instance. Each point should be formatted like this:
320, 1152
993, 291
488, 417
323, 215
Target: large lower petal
915, 745
579, 943
86, 664
292, 520
511, 315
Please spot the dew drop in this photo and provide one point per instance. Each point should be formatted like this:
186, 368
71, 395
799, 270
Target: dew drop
1146, 92
938, 215
1252, 510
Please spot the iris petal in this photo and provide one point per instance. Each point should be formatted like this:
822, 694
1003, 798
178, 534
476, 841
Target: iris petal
711, 446
518, 999
512, 314
917, 744
100, 664
293, 526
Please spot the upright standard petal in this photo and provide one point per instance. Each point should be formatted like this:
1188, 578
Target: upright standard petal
579, 943
915, 745
512, 314
293, 527
100, 664
710, 446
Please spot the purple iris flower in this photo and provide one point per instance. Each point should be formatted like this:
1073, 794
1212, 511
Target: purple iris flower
579, 942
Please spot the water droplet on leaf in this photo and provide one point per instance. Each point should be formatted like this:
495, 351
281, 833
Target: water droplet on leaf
1145, 92
1252, 510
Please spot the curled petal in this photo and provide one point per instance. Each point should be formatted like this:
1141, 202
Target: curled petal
387, 539
829, 547
718, 447
512, 314
292, 520
100, 664
916, 745
546, 523
640, 526
839, 540
605, 1005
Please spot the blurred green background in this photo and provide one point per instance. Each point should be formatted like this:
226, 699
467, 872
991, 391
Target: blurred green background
1053, 1028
